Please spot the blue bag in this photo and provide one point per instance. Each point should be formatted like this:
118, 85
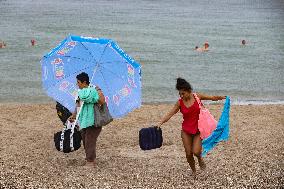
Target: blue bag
150, 138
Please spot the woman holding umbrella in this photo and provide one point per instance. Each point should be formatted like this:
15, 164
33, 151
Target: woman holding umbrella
90, 96
189, 107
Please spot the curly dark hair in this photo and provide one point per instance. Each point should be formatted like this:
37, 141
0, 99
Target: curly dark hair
182, 84
83, 77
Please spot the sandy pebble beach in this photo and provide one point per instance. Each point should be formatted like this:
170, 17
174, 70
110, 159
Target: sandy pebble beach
253, 156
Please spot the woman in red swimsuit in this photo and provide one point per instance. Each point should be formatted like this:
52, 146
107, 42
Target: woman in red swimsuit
189, 108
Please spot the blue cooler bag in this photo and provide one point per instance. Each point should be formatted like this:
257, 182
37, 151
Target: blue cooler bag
150, 138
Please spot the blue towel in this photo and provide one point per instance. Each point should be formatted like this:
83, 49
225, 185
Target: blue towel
221, 132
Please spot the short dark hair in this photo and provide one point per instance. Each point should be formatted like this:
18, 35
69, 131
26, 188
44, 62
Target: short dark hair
182, 84
83, 77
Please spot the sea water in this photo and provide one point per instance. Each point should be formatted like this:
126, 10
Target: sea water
161, 36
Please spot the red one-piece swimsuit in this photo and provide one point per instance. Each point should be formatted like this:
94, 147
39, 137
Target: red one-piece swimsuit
190, 117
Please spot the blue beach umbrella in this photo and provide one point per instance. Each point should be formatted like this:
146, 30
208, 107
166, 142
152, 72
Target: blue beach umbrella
108, 66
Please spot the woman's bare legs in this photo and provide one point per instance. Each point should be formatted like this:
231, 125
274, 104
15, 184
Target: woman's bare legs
197, 149
187, 143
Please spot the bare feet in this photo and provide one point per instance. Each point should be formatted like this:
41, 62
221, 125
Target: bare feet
90, 164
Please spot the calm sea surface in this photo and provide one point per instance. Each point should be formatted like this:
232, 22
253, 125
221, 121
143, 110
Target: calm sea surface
161, 36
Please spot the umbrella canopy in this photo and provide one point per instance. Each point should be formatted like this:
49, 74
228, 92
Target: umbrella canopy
108, 66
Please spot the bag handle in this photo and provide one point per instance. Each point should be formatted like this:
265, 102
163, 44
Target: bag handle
198, 100
71, 126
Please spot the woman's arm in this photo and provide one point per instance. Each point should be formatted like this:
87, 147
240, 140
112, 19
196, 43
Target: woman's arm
208, 97
101, 95
172, 112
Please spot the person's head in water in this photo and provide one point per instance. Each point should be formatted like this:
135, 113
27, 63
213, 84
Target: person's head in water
243, 42
2, 44
196, 47
206, 45
184, 88
82, 80
33, 42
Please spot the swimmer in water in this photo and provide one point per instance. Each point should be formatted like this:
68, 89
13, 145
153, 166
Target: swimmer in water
2, 45
204, 48
33, 42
